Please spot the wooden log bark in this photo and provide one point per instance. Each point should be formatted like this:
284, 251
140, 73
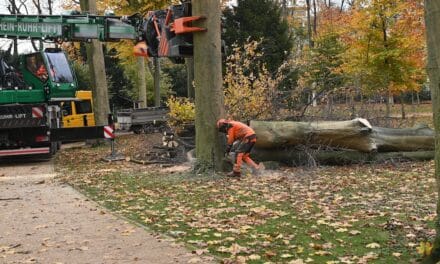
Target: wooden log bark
357, 134
420, 137
432, 22
297, 157
208, 85
353, 134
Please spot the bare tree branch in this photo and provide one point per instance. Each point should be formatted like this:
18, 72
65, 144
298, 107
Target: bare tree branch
50, 6
37, 5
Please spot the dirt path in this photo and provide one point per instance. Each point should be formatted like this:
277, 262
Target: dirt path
42, 221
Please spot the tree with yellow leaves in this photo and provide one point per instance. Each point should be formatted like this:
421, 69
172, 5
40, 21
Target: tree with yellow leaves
250, 89
386, 43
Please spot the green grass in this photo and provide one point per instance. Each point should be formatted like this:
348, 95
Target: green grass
333, 215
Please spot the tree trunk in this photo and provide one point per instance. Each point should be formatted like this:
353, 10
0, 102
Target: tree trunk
150, 67
432, 21
309, 24
387, 111
301, 157
284, 10
156, 62
278, 134
352, 105
95, 59
355, 134
190, 77
209, 100
315, 18
420, 137
413, 104
402, 107
142, 83
14, 10
390, 99
362, 108
329, 113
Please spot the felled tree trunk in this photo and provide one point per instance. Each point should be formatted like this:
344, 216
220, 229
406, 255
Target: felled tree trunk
420, 137
299, 157
357, 134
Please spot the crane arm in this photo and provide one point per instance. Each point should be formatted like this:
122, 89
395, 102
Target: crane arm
70, 28
163, 33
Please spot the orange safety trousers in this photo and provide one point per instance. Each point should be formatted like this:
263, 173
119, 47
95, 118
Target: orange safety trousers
244, 154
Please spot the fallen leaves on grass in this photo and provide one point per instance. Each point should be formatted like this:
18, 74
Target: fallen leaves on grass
425, 248
347, 214
373, 245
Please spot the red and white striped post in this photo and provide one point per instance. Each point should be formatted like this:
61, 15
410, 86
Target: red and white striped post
109, 132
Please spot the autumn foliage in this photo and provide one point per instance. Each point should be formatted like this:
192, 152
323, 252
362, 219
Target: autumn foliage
182, 112
250, 89
386, 45
361, 50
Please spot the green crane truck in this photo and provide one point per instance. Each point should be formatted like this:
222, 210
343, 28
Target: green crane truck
32, 90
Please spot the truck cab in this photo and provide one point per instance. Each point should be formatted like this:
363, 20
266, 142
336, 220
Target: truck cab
49, 71
79, 112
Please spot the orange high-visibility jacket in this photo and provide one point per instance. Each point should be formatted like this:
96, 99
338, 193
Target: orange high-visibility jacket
238, 131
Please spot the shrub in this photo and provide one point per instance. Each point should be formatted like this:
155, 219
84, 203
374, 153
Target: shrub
182, 112
250, 89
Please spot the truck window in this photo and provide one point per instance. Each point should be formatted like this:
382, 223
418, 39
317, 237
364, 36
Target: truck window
35, 64
59, 68
83, 107
66, 108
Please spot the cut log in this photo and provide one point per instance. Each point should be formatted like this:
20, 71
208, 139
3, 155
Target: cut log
353, 134
420, 137
300, 157
357, 134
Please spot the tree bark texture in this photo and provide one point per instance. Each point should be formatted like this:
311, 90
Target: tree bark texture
432, 21
300, 156
357, 134
142, 82
95, 59
99, 90
190, 77
309, 24
209, 102
156, 62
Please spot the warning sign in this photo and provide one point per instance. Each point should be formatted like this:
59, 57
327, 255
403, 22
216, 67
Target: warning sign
108, 132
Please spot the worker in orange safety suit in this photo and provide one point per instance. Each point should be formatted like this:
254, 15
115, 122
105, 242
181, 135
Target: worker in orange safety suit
238, 131
42, 72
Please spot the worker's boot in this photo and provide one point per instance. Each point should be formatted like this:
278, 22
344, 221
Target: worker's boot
234, 174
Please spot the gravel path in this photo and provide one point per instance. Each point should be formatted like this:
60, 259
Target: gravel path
42, 221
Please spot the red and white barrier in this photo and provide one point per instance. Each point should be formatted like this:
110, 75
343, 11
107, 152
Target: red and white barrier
37, 112
109, 132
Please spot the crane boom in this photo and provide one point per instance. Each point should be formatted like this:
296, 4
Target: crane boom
163, 33
70, 27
